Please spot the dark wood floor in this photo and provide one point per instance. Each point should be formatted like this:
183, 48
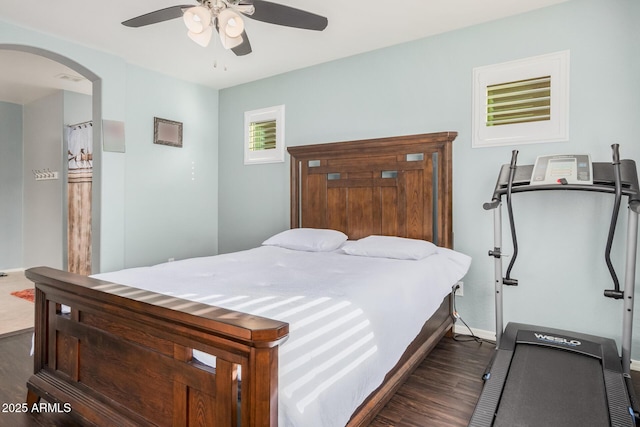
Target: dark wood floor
15, 368
442, 392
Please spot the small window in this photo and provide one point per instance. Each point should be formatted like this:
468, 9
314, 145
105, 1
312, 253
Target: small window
522, 102
264, 135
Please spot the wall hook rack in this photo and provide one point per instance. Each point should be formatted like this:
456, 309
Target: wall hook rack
46, 174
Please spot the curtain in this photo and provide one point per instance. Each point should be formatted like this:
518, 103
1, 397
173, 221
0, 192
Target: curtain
80, 146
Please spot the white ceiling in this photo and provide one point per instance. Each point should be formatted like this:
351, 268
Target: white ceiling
355, 26
25, 77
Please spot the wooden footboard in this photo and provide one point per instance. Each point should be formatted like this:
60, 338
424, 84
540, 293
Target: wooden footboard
123, 356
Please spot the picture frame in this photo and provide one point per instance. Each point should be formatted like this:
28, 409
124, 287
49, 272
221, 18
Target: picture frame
167, 132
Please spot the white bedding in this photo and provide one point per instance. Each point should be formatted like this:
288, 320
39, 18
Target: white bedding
351, 317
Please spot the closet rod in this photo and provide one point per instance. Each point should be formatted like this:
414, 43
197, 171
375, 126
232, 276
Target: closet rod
88, 122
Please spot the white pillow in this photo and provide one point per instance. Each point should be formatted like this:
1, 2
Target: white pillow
391, 247
308, 239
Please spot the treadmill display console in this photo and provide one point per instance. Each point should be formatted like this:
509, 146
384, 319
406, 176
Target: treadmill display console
562, 169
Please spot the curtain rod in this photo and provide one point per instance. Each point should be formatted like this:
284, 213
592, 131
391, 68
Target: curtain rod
88, 122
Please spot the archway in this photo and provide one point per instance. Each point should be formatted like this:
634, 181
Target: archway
97, 147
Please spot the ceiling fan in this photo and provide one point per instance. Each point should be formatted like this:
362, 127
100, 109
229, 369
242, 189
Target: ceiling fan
225, 17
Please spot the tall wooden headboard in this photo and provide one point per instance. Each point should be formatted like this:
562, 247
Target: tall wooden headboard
398, 186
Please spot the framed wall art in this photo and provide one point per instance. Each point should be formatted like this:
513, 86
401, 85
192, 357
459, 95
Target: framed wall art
167, 132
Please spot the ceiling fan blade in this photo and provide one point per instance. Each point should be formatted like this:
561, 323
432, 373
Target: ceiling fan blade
279, 14
161, 15
244, 48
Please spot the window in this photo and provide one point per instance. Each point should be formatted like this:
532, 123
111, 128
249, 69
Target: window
522, 102
264, 135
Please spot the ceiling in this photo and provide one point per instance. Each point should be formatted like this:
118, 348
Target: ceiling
354, 27
25, 77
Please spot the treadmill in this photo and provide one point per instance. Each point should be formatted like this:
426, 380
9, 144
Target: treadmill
548, 377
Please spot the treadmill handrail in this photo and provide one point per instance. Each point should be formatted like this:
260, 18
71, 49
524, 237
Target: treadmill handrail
615, 292
603, 182
602, 174
507, 279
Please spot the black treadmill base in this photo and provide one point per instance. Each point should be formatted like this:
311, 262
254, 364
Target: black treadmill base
548, 377
538, 384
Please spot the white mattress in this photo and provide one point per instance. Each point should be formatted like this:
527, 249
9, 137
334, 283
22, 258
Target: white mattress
350, 317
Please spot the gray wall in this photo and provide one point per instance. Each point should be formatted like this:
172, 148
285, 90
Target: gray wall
426, 86
77, 108
10, 186
44, 215
170, 194
43, 201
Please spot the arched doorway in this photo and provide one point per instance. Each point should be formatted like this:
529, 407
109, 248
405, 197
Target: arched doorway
96, 118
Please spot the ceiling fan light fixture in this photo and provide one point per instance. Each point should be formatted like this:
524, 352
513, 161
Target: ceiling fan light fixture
230, 42
230, 23
227, 18
197, 19
202, 38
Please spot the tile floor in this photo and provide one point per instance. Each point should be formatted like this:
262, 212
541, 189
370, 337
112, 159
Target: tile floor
15, 313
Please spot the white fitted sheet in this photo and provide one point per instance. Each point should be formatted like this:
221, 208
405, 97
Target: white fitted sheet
350, 317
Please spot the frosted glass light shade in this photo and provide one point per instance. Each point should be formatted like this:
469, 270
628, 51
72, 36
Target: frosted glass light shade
230, 23
203, 38
197, 19
230, 42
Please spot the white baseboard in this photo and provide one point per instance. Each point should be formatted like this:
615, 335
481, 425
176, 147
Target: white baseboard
12, 270
459, 328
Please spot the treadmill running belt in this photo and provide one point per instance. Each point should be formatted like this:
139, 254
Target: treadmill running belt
539, 381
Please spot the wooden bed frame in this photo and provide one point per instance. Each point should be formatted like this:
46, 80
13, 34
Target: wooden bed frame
123, 356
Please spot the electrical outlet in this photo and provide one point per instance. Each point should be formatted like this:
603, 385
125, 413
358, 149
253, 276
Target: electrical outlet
460, 290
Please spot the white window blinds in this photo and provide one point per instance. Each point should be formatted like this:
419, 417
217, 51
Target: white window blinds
519, 101
262, 135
